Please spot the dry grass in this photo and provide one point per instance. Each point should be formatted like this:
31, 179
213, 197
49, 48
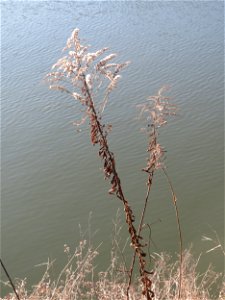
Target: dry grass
76, 281
79, 280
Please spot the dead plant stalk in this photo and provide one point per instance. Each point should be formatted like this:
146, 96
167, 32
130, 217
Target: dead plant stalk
81, 74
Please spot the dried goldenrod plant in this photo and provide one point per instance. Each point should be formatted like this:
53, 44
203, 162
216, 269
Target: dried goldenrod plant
81, 74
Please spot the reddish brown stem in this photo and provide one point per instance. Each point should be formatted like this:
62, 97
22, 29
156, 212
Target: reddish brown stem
135, 239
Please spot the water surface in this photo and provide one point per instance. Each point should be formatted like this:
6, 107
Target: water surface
50, 174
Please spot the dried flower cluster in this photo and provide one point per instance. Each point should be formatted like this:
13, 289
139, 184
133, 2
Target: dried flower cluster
83, 71
157, 109
80, 70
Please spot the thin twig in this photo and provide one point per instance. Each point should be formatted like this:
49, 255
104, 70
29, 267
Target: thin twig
10, 280
178, 227
123, 257
151, 166
139, 230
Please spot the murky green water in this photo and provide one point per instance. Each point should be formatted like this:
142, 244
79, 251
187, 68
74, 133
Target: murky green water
50, 175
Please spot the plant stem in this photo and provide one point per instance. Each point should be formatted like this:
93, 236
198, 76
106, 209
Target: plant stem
10, 280
179, 230
128, 211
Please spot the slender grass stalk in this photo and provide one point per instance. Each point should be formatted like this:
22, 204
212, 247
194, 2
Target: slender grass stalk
10, 280
174, 197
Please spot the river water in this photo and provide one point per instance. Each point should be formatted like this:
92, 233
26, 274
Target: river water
51, 178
